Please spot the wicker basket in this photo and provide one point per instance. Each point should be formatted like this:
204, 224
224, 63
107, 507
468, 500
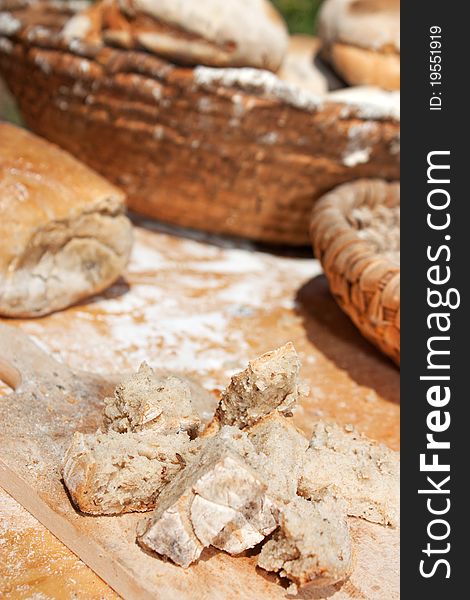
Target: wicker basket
355, 232
232, 151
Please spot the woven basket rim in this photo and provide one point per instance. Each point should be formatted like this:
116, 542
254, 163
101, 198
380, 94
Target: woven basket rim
328, 204
366, 283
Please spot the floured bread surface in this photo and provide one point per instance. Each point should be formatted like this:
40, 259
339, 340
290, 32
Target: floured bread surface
63, 232
284, 446
218, 500
312, 544
218, 33
270, 382
114, 473
147, 401
366, 474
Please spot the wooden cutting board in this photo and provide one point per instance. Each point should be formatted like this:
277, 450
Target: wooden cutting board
350, 382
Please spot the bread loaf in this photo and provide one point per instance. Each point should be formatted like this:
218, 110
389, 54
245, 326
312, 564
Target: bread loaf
362, 40
364, 473
209, 32
63, 232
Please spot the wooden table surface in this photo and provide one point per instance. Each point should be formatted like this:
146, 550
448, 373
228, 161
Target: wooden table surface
201, 306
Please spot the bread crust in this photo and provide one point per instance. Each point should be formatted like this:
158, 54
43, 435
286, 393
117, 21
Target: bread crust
116, 473
220, 33
270, 382
63, 231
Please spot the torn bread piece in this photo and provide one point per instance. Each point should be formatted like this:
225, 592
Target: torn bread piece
219, 500
270, 382
365, 473
312, 544
113, 473
284, 447
147, 401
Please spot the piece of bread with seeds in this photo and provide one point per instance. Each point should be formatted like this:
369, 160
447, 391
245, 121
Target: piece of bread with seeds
64, 235
284, 447
363, 472
218, 500
312, 544
145, 401
220, 33
113, 473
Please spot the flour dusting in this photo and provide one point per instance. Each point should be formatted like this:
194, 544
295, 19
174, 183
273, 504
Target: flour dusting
185, 305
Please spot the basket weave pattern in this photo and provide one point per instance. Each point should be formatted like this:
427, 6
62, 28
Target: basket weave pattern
225, 160
355, 234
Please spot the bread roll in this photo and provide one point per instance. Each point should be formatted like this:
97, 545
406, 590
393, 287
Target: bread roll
362, 40
220, 33
63, 232
364, 473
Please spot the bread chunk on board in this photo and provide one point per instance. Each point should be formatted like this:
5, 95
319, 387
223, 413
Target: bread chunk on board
312, 544
283, 448
270, 382
146, 401
113, 473
363, 472
63, 231
218, 500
